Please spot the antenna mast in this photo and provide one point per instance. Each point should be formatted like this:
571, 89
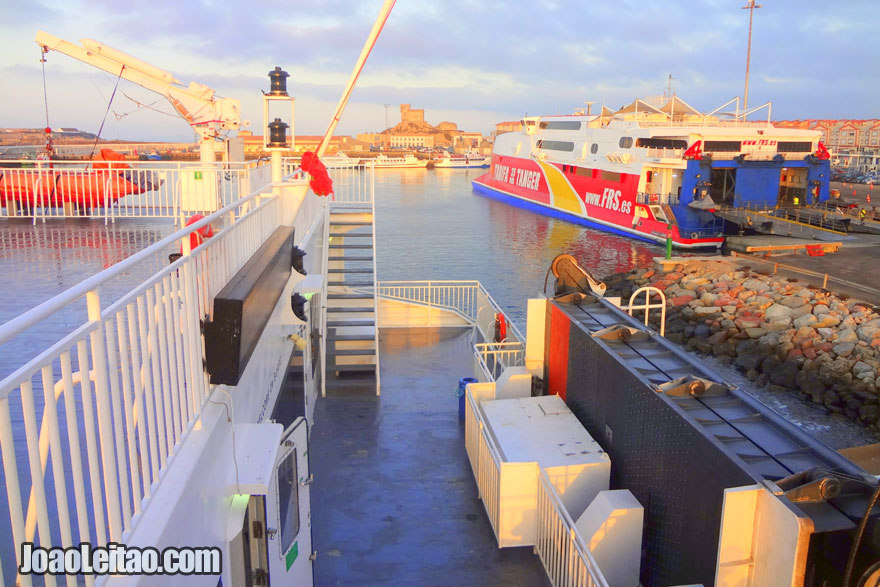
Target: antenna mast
751, 8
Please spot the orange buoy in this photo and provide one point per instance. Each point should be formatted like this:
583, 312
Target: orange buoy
198, 236
500, 327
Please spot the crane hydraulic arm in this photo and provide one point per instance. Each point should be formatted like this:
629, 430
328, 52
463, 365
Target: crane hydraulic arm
207, 113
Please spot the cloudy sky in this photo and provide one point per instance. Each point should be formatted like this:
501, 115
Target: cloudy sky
468, 61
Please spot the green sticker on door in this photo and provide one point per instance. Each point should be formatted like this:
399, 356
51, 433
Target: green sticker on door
291, 555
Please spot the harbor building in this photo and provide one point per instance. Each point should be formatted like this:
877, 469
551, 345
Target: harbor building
414, 132
854, 144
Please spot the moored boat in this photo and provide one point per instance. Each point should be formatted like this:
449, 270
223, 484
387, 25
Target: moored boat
467, 160
407, 161
639, 170
101, 184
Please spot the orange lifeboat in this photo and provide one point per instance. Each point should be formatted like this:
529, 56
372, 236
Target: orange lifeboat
104, 182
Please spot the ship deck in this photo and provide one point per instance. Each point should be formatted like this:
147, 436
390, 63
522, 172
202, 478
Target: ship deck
394, 501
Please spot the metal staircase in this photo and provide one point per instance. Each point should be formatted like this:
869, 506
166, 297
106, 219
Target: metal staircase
351, 345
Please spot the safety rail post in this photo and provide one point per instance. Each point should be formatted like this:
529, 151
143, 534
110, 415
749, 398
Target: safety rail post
372, 195
108, 452
648, 305
325, 255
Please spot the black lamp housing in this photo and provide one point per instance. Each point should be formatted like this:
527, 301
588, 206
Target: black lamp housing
296, 260
298, 305
278, 82
278, 134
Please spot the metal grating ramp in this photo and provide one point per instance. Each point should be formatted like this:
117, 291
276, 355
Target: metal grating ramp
770, 447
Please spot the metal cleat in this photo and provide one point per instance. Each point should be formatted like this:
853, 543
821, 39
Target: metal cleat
691, 385
621, 332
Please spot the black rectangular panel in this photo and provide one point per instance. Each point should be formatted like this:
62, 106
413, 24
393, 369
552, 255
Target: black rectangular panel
673, 469
243, 307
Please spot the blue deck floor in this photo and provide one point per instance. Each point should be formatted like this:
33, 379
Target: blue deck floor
394, 501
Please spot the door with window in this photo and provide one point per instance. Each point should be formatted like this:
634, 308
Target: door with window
287, 511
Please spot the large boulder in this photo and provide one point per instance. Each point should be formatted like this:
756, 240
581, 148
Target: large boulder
843, 349
793, 301
777, 311
805, 320
785, 374
847, 335
756, 285
868, 333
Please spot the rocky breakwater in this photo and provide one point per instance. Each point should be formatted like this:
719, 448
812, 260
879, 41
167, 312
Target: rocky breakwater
782, 334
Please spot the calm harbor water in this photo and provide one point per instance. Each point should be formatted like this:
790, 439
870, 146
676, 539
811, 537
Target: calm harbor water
431, 225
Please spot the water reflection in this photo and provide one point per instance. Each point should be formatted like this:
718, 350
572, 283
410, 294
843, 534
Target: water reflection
445, 230
46, 259
40, 261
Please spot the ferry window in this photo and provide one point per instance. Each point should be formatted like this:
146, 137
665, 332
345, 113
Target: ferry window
794, 146
288, 501
625, 142
649, 176
556, 145
560, 125
594, 148
584, 171
661, 143
610, 176
723, 146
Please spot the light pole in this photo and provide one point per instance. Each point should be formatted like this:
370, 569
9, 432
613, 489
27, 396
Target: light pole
751, 8
386, 115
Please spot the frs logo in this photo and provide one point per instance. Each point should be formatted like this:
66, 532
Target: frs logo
611, 200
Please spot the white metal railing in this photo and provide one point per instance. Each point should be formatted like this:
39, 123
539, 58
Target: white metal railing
558, 543
352, 185
494, 357
115, 189
489, 476
370, 174
656, 198
468, 299
131, 381
648, 305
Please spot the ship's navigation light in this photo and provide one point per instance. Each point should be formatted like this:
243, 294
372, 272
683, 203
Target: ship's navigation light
278, 133
297, 260
278, 82
298, 305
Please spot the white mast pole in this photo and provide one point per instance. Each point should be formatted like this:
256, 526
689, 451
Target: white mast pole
751, 8
368, 46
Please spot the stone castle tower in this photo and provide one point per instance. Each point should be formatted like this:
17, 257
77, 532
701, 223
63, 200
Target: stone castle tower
412, 120
411, 116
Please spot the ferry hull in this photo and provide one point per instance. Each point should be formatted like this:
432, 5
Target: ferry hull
606, 204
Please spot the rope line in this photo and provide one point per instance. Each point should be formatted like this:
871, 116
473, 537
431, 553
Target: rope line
110, 103
43, 52
45, 93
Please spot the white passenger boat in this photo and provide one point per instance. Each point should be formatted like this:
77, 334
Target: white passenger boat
340, 161
467, 160
656, 172
408, 161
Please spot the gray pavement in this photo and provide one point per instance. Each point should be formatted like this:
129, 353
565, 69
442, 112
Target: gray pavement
394, 500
